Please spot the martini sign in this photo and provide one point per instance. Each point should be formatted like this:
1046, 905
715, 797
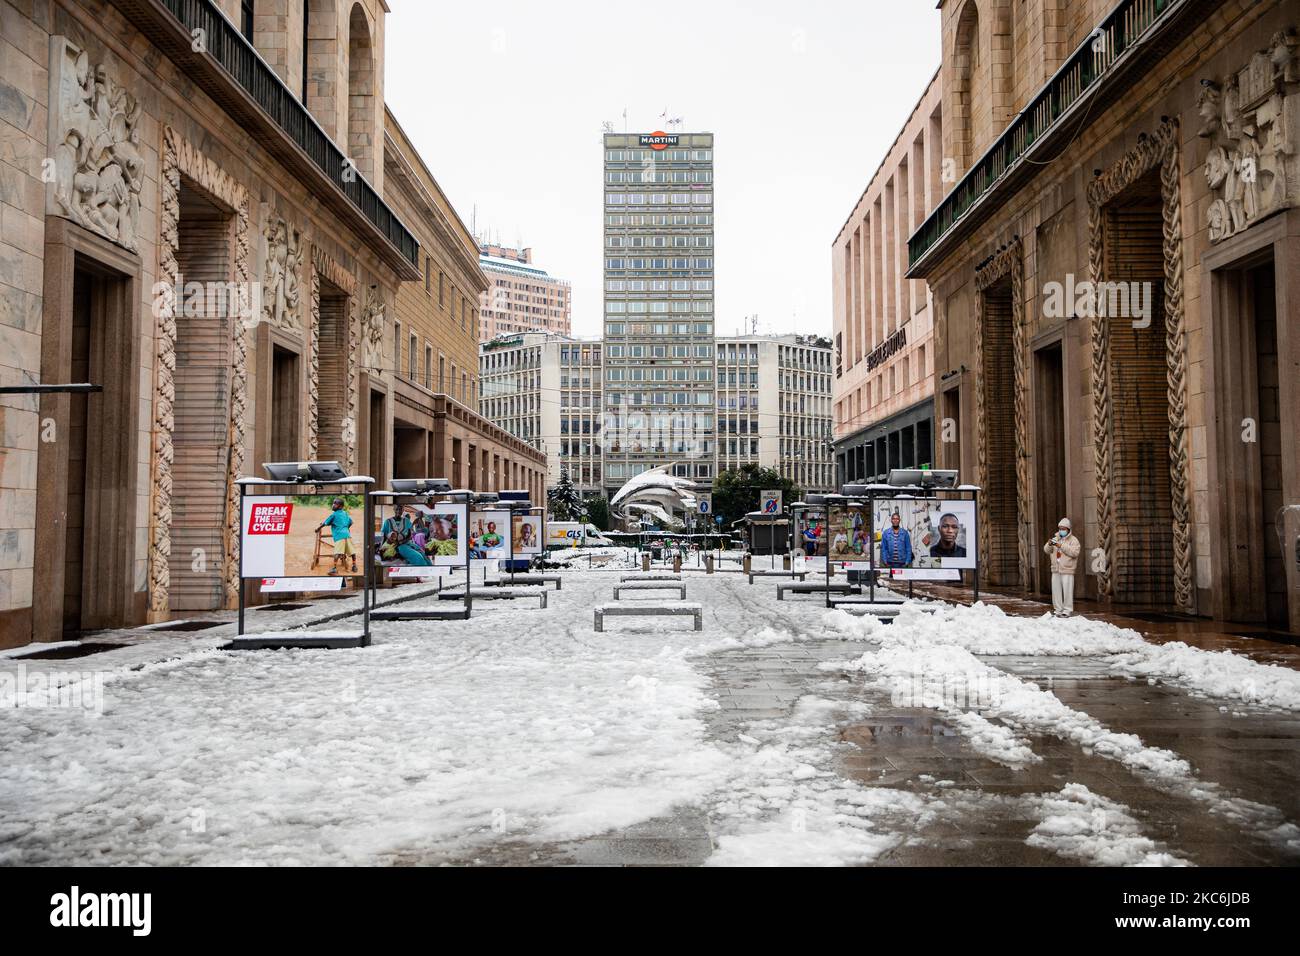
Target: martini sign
658, 139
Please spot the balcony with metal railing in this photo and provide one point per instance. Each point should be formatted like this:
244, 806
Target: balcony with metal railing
210, 49
1119, 49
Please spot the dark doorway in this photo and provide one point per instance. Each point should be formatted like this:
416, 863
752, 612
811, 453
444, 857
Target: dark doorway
200, 436
1000, 494
950, 431
1049, 452
1142, 559
378, 443
410, 451
332, 403
286, 397
83, 303
1268, 433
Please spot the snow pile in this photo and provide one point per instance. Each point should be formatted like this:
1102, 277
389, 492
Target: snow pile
1221, 674
520, 724
989, 631
1082, 825
951, 679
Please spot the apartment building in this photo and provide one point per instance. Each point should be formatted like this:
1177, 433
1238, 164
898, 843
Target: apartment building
521, 296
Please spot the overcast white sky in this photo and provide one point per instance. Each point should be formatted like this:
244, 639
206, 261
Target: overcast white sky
505, 101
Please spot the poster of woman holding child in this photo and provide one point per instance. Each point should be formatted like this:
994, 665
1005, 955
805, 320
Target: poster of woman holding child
423, 535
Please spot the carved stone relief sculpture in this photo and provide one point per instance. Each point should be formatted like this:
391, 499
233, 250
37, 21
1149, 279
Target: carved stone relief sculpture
94, 135
284, 255
1251, 118
372, 322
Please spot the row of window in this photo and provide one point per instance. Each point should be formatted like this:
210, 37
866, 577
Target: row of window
465, 310
619, 306
653, 174
463, 390
580, 355
638, 374
659, 242
705, 263
660, 219
658, 328
658, 351
659, 398
632, 469
887, 383
658, 285
659, 155
658, 199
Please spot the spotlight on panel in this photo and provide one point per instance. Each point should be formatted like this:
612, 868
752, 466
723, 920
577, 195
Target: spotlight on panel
922, 478
303, 471
421, 486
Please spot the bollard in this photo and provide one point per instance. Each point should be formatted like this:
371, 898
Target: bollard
708, 564
645, 561
677, 564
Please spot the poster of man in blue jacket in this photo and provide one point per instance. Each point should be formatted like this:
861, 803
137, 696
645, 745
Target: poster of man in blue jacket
896, 544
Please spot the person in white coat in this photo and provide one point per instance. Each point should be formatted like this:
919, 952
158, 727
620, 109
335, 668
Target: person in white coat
1063, 554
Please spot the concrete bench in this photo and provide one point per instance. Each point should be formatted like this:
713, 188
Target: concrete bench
814, 588
764, 573
651, 586
497, 594
882, 609
642, 576
556, 579
648, 610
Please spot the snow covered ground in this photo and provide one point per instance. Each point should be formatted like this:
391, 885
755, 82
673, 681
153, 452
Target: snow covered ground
524, 728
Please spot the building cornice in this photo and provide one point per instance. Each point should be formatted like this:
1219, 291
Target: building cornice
230, 71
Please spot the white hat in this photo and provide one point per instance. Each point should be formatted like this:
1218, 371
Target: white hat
1064, 523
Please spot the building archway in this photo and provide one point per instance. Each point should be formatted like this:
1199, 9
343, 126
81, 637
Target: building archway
361, 93
966, 104
321, 64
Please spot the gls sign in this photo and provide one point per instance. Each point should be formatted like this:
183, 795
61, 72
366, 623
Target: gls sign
658, 139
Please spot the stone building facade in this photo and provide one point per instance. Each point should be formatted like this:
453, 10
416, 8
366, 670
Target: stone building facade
437, 430
883, 321
194, 229
1116, 282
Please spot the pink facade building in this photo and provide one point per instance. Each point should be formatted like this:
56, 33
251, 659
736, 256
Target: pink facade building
522, 297
883, 389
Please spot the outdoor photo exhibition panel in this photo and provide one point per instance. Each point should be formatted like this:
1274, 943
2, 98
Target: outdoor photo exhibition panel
527, 531
429, 541
937, 536
305, 537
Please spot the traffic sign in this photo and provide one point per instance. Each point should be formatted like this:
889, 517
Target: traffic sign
705, 504
771, 502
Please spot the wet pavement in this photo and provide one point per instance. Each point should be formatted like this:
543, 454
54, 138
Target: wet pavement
981, 812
